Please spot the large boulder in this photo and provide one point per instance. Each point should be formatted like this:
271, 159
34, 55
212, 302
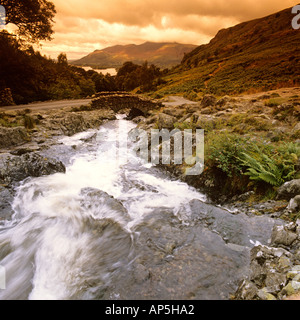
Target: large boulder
14, 169
294, 204
73, 123
13, 136
289, 190
100, 205
208, 101
284, 235
166, 121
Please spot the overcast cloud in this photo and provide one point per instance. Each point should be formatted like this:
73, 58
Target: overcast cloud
83, 26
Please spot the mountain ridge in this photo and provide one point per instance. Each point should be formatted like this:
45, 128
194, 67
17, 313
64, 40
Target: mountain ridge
259, 54
162, 54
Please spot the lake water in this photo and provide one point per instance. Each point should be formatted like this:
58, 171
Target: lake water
111, 71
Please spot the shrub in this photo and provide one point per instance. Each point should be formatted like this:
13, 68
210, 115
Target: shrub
29, 122
224, 151
274, 102
274, 168
265, 165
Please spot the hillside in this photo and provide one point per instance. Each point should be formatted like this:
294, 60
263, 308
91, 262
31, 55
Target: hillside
257, 55
163, 55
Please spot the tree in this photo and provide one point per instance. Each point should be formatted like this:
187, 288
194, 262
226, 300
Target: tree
131, 76
34, 18
62, 59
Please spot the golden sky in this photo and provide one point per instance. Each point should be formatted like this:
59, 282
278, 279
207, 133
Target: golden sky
83, 26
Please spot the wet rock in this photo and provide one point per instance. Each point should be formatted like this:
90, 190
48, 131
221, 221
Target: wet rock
178, 261
101, 205
289, 189
73, 123
6, 196
284, 235
14, 169
233, 228
90, 139
70, 123
13, 136
294, 204
23, 150
141, 273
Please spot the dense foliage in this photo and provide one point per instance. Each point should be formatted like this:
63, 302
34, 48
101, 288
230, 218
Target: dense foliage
33, 77
238, 157
28, 76
131, 76
34, 18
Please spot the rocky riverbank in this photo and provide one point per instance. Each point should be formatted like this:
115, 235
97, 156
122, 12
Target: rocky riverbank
272, 117
27, 135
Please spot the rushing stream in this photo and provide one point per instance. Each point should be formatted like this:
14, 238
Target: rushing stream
113, 227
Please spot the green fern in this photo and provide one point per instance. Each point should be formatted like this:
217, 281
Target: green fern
266, 170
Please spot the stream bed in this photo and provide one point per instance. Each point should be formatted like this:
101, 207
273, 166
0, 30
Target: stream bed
114, 227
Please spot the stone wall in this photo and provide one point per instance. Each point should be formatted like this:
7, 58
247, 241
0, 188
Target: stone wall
6, 98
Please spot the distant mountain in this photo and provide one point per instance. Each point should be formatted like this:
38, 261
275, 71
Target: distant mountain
164, 55
252, 56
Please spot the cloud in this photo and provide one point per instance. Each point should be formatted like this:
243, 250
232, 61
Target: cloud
145, 12
86, 25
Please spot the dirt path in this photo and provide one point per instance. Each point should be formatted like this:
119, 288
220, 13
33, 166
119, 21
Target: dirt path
48, 105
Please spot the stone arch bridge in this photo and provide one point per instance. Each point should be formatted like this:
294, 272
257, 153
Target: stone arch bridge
117, 101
